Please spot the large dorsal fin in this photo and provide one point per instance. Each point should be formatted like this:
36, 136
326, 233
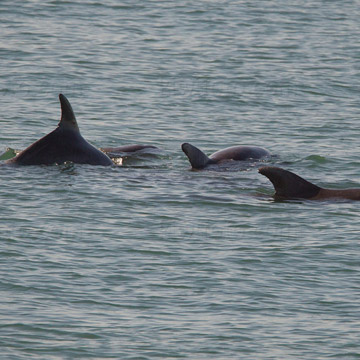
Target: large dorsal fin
68, 119
289, 185
197, 158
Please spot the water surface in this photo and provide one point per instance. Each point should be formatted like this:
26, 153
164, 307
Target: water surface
151, 260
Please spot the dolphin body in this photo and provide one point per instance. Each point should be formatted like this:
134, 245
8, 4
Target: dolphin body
291, 186
63, 144
133, 148
199, 160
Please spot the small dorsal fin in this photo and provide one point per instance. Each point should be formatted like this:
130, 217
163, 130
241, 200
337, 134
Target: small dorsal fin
197, 158
289, 185
68, 119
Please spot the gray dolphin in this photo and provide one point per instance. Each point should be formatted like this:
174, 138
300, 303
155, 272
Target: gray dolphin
133, 148
63, 144
199, 160
291, 186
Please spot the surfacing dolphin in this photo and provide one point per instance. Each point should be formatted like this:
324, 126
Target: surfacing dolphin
133, 148
199, 160
63, 144
291, 186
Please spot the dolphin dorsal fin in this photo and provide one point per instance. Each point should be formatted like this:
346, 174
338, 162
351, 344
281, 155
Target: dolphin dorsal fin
197, 158
289, 185
68, 119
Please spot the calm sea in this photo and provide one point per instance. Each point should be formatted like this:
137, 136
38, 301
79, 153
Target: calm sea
151, 260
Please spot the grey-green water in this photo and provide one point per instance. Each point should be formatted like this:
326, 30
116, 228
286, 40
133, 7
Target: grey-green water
151, 260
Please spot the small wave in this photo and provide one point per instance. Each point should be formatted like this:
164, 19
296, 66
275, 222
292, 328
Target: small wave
318, 159
8, 154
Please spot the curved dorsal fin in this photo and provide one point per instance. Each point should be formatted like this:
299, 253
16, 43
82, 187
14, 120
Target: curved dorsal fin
289, 185
68, 119
197, 158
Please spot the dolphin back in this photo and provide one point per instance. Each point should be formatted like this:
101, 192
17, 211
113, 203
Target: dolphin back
59, 146
289, 185
240, 153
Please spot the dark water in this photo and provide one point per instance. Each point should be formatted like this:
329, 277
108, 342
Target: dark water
151, 260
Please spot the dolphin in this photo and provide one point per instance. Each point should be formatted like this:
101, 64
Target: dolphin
291, 186
199, 160
133, 148
63, 144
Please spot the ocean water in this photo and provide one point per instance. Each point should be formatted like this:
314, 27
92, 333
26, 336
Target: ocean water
150, 260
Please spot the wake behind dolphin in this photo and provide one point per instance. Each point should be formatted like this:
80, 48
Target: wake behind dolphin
63, 144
